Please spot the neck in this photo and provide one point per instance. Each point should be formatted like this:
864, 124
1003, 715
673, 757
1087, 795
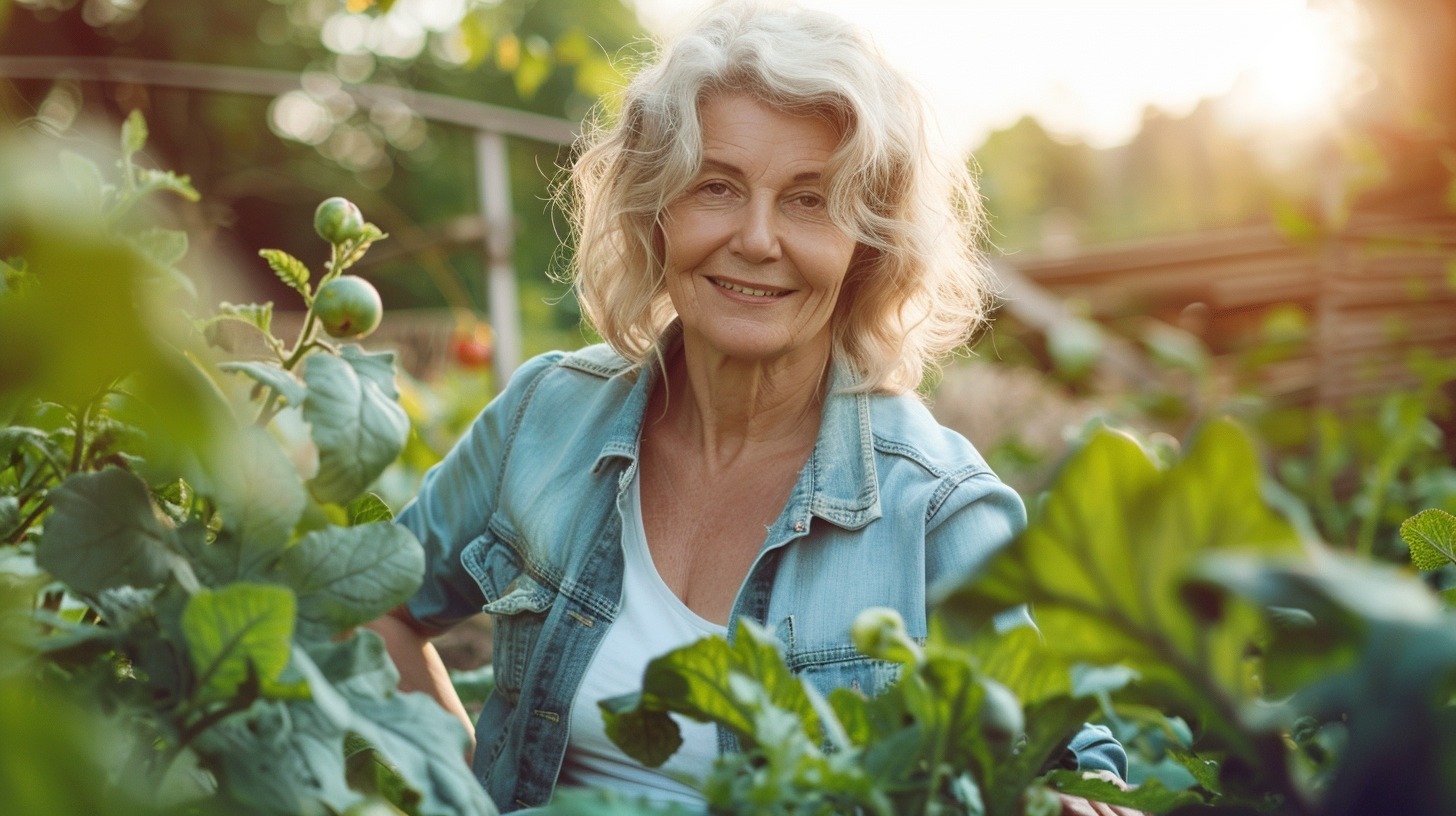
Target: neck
728, 407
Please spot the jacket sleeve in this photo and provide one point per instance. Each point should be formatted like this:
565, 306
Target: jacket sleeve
977, 519
458, 496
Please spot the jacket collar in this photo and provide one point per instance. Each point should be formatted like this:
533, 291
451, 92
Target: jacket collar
838, 484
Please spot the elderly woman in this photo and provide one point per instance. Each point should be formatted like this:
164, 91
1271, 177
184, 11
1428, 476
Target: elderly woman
775, 258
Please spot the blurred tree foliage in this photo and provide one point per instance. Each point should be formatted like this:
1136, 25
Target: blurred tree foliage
1178, 174
264, 163
1393, 151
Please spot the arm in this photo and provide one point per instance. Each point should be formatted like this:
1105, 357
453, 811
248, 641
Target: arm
455, 500
419, 665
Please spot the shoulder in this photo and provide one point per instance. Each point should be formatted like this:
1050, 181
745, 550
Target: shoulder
584, 368
919, 457
599, 360
904, 428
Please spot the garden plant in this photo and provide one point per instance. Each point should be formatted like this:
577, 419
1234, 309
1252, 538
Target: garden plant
189, 540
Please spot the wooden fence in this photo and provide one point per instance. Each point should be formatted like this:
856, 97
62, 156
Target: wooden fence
1371, 296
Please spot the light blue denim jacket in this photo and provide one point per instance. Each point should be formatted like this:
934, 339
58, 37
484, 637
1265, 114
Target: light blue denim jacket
520, 520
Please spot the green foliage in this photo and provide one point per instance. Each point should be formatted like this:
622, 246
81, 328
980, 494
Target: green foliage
1363, 470
1261, 672
1431, 536
178, 608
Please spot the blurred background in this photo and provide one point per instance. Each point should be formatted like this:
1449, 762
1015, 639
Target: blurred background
1199, 207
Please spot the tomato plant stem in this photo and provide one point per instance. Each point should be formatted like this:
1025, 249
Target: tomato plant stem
79, 448
20, 531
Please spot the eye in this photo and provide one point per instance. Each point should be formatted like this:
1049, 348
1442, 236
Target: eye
809, 201
715, 188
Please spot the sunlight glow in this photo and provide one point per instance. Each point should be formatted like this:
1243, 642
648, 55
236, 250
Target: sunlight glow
1298, 79
1090, 70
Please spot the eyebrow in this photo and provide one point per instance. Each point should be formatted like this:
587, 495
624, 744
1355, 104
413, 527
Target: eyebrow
728, 167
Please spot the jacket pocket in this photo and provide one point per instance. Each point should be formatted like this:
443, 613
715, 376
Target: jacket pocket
516, 600
844, 667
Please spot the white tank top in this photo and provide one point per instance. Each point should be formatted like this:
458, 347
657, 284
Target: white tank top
653, 621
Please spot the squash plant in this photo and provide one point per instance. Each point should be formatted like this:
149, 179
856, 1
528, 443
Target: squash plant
1269, 673
180, 590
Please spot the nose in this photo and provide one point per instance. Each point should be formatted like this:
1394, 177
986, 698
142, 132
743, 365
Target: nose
756, 238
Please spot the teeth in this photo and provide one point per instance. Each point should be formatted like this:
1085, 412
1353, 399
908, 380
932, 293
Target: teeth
733, 287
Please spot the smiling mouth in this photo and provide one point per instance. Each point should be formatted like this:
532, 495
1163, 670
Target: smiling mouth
744, 290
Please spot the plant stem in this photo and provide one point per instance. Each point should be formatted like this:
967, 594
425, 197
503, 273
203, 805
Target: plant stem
200, 725
19, 534
78, 450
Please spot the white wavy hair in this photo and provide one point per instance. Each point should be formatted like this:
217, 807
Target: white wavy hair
918, 284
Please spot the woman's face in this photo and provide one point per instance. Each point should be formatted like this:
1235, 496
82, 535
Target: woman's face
754, 265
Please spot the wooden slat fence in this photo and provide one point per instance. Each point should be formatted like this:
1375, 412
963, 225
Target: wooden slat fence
1373, 294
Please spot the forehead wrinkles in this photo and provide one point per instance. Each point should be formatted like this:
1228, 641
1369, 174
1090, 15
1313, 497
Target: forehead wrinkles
746, 137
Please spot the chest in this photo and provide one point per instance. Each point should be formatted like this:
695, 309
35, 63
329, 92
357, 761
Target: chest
705, 528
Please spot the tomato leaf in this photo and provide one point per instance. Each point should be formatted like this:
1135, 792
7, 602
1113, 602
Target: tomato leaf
289, 269
1431, 536
102, 533
133, 135
357, 425
87, 178
165, 247
368, 508
259, 495
281, 758
428, 746
240, 631
345, 576
284, 382
149, 181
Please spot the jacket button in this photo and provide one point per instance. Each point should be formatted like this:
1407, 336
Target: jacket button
799, 527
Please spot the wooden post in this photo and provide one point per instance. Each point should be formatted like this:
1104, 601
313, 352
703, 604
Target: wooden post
492, 168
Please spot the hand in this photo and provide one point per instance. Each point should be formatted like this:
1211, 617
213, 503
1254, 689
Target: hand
1077, 806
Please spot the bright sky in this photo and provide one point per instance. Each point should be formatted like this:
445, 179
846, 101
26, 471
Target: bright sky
1087, 68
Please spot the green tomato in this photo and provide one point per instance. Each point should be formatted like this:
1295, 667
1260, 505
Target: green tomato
348, 306
337, 220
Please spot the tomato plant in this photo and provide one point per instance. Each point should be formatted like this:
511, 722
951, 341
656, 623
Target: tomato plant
181, 590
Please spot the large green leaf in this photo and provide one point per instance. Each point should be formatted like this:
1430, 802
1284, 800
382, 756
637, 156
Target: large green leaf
259, 495
696, 681
103, 533
345, 576
1378, 657
239, 632
428, 746
358, 666
357, 425
1103, 566
279, 758
267, 374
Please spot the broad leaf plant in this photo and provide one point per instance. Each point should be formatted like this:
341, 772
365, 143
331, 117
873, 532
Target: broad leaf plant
181, 580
